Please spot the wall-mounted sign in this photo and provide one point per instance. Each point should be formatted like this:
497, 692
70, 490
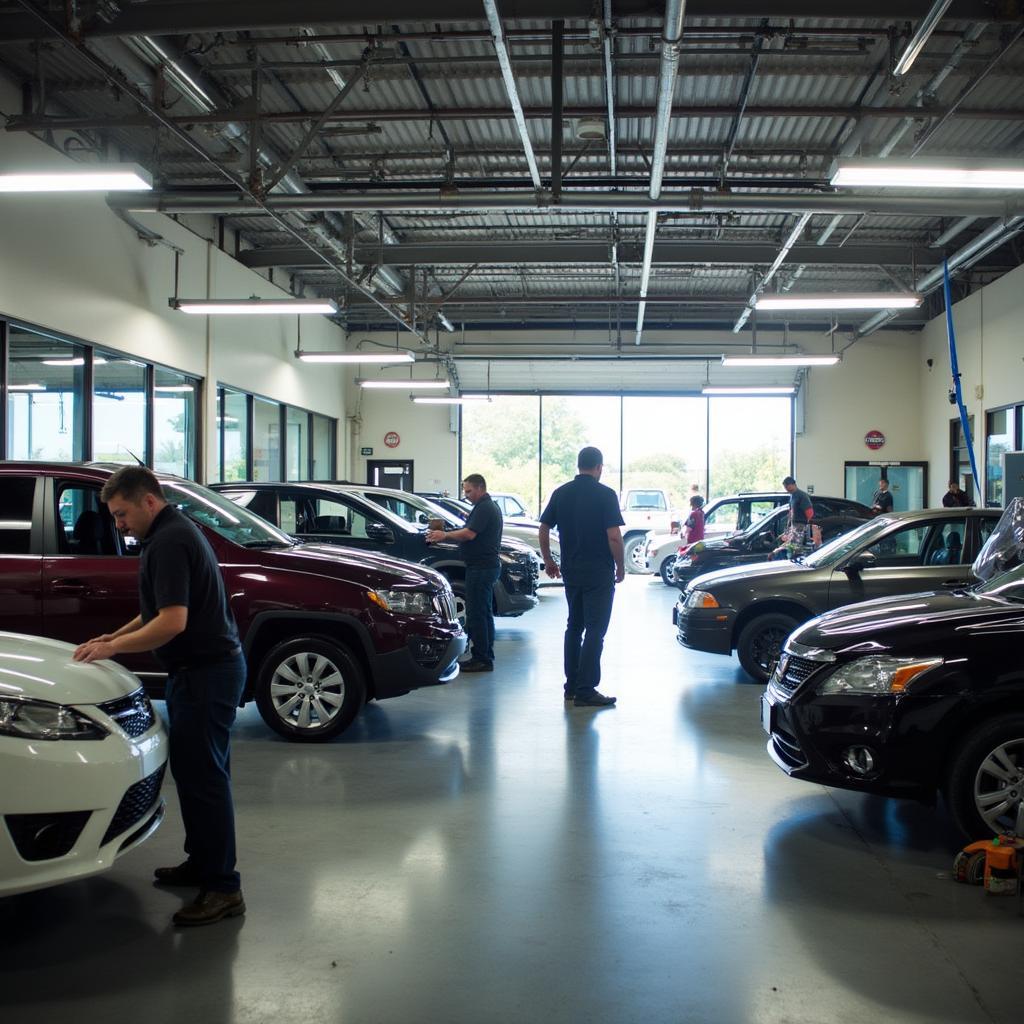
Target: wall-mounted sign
365, 451
874, 439
391, 439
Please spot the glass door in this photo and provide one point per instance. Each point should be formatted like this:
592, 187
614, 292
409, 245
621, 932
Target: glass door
908, 482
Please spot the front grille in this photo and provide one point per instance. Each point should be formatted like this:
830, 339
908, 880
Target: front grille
46, 836
134, 804
133, 713
795, 671
444, 605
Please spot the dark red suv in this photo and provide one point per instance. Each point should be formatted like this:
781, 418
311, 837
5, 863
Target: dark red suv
324, 629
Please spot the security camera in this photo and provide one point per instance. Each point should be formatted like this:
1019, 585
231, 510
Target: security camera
952, 396
929, 363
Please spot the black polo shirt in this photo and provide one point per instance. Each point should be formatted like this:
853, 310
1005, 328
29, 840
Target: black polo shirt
882, 500
486, 522
178, 567
584, 510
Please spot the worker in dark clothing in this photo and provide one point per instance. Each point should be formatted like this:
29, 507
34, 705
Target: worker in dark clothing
955, 497
801, 512
185, 620
882, 501
479, 544
588, 519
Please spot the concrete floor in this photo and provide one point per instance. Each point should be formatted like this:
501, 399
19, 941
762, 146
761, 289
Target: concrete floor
479, 853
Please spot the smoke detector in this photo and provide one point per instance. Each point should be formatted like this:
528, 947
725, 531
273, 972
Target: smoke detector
590, 129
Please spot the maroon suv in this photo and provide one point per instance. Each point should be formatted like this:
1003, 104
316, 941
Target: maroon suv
324, 629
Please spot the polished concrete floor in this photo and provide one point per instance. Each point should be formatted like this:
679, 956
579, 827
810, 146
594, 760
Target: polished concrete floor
478, 853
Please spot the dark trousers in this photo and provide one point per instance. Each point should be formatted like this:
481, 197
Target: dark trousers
201, 706
590, 611
480, 611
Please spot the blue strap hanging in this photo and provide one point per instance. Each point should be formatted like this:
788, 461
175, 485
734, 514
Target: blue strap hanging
955, 369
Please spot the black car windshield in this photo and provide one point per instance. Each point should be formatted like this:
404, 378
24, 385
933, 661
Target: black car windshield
775, 517
223, 516
839, 548
1009, 585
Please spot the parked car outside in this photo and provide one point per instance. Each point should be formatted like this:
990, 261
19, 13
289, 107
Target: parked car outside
324, 628
911, 697
82, 759
511, 505
644, 510
316, 513
832, 516
752, 608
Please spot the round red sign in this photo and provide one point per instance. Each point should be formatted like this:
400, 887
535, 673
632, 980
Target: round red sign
874, 439
391, 439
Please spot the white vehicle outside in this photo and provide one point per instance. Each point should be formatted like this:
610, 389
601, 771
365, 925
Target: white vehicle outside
511, 505
82, 759
644, 510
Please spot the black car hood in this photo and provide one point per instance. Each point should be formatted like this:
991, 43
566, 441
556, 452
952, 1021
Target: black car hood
757, 570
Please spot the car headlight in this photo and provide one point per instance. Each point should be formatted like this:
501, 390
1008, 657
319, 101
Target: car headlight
404, 602
878, 674
701, 599
40, 720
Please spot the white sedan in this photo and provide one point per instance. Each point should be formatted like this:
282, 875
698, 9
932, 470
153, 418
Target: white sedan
82, 759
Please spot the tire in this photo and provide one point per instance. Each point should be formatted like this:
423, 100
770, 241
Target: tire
459, 590
635, 555
666, 571
981, 802
337, 689
760, 642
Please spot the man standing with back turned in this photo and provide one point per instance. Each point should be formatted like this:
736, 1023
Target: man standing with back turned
588, 519
185, 620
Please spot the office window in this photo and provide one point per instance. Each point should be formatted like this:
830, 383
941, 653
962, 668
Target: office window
297, 444
323, 448
233, 430
266, 440
175, 422
118, 409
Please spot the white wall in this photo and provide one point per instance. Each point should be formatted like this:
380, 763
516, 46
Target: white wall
69, 264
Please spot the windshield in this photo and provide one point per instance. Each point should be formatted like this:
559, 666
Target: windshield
836, 550
223, 516
775, 518
1009, 585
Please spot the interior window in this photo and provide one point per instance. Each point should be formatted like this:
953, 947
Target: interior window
725, 517
909, 546
947, 544
349, 521
16, 497
759, 509
84, 526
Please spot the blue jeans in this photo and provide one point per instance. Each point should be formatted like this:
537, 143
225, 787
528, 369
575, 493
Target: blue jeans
590, 611
480, 611
201, 706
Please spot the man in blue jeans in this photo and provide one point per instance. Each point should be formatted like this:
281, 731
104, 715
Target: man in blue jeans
185, 620
588, 519
479, 544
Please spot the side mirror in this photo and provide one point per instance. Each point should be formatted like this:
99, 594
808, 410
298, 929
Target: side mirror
422, 519
380, 533
860, 562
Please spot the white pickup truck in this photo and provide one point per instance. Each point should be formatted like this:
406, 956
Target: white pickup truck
644, 510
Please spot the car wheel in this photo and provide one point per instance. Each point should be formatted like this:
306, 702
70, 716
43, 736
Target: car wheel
985, 790
760, 642
459, 590
635, 555
667, 566
310, 689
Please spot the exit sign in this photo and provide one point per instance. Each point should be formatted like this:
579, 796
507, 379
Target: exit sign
365, 451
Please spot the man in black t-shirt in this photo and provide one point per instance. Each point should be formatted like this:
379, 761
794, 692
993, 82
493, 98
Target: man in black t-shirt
801, 511
185, 620
588, 519
479, 544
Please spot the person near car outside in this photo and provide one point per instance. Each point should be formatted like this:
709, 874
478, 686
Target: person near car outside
186, 622
693, 528
955, 497
479, 543
587, 516
881, 503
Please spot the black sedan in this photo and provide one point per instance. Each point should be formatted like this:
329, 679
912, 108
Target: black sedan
911, 697
752, 608
834, 517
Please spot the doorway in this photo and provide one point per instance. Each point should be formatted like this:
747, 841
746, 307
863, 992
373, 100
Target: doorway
908, 482
394, 473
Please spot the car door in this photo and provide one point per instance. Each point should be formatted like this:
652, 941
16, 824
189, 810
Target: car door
910, 557
20, 553
89, 577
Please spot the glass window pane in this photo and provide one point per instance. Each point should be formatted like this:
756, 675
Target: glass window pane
266, 440
500, 439
16, 498
737, 464
998, 439
233, 424
118, 409
574, 422
45, 406
297, 426
904, 547
323, 448
175, 406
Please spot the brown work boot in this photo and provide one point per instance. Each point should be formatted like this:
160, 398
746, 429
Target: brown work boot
182, 874
210, 907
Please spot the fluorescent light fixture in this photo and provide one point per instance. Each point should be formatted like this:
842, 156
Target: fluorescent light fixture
780, 360
175, 388
249, 307
789, 390
26, 387
865, 300
406, 385
451, 399
355, 357
958, 173
86, 178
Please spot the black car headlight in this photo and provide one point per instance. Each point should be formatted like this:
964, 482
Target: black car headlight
41, 720
877, 675
403, 602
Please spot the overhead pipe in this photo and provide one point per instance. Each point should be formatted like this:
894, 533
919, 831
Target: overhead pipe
920, 38
794, 236
609, 89
672, 32
952, 231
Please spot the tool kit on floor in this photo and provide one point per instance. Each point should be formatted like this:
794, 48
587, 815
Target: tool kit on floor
997, 864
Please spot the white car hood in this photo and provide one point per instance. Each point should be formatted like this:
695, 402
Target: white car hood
42, 669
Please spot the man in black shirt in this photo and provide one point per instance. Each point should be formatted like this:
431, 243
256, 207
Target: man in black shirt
588, 519
479, 543
801, 511
882, 501
185, 620
955, 497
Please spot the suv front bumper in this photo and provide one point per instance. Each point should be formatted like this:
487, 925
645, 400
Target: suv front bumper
426, 660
